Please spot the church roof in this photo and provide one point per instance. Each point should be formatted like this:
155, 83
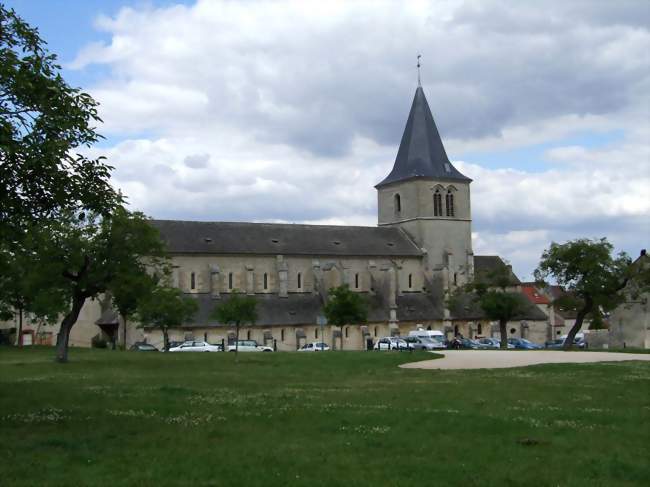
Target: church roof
421, 153
287, 239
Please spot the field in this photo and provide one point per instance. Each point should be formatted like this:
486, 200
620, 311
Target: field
337, 418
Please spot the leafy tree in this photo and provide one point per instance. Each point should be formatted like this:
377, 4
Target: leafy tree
129, 291
42, 122
491, 291
344, 306
592, 276
164, 308
236, 310
83, 256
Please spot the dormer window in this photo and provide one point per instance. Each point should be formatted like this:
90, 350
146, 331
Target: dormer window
397, 204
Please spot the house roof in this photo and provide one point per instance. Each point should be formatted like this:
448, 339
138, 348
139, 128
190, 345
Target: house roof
467, 308
487, 264
534, 296
287, 239
421, 153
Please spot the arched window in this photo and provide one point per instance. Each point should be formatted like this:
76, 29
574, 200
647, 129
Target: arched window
282, 334
398, 203
299, 280
266, 281
455, 330
450, 203
410, 281
479, 329
347, 331
193, 280
356, 281
455, 279
375, 331
248, 335
315, 332
437, 203
230, 281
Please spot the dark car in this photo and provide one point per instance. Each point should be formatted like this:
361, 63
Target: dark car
143, 347
457, 343
554, 344
523, 344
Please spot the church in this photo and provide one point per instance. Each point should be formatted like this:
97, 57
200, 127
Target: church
420, 250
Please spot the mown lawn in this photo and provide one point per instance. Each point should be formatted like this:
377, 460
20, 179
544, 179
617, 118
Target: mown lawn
337, 418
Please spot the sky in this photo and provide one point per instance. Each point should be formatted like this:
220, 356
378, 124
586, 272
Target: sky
291, 111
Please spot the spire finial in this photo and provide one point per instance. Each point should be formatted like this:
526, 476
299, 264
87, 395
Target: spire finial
419, 56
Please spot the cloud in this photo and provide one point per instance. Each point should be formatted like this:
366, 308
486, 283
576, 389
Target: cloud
292, 111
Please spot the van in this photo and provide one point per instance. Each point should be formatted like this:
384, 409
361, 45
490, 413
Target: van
435, 336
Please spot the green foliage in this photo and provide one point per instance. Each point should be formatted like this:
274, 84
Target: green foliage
236, 310
587, 270
166, 307
345, 306
43, 121
501, 305
98, 342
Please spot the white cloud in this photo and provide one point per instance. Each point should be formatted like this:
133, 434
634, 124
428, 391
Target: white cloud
292, 111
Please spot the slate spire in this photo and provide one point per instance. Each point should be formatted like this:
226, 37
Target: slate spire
421, 153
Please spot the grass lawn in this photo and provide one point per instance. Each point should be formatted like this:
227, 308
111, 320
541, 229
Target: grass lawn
336, 418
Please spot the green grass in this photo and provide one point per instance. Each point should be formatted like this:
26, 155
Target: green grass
339, 418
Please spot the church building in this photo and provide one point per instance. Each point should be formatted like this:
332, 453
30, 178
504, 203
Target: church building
420, 250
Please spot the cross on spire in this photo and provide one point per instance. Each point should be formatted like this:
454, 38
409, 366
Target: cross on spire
419, 56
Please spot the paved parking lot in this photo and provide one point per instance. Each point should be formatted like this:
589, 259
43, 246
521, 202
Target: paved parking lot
497, 359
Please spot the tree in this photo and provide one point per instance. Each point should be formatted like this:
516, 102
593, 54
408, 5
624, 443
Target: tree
128, 292
43, 121
490, 291
593, 277
164, 308
237, 310
344, 306
86, 255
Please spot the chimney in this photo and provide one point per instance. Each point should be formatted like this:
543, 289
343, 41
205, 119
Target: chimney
642, 252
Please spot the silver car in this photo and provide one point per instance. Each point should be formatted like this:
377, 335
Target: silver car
196, 347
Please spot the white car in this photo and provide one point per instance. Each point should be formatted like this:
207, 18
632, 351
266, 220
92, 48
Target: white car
196, 347
392, 343
314, 347
249, 346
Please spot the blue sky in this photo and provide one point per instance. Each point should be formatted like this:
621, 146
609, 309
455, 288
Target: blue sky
544, 104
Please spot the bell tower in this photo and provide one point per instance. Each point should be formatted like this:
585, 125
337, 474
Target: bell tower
427, 197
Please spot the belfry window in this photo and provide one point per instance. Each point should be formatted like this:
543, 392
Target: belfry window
266, 281
450, 203
193, 280
437, 203
398, 204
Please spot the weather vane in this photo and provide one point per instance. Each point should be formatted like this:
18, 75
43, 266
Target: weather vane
419, 56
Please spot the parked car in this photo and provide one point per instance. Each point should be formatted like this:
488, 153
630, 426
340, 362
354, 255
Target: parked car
392, 343
491, 343
143, 347
421, 343
578, 341
523, 344
314, 347
249, 346
461, 343
554, 344
196, 347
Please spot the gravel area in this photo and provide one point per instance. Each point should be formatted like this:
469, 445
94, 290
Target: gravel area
497, 359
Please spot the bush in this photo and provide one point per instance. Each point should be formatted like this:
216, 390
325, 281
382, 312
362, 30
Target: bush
98, 342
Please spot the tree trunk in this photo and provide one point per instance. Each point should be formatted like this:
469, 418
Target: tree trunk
503, 329
165, 339
236, 341
68, 322
124, 334
341, 337
19, 334
568, 343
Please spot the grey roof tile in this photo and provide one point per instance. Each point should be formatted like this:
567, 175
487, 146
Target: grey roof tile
287, 239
